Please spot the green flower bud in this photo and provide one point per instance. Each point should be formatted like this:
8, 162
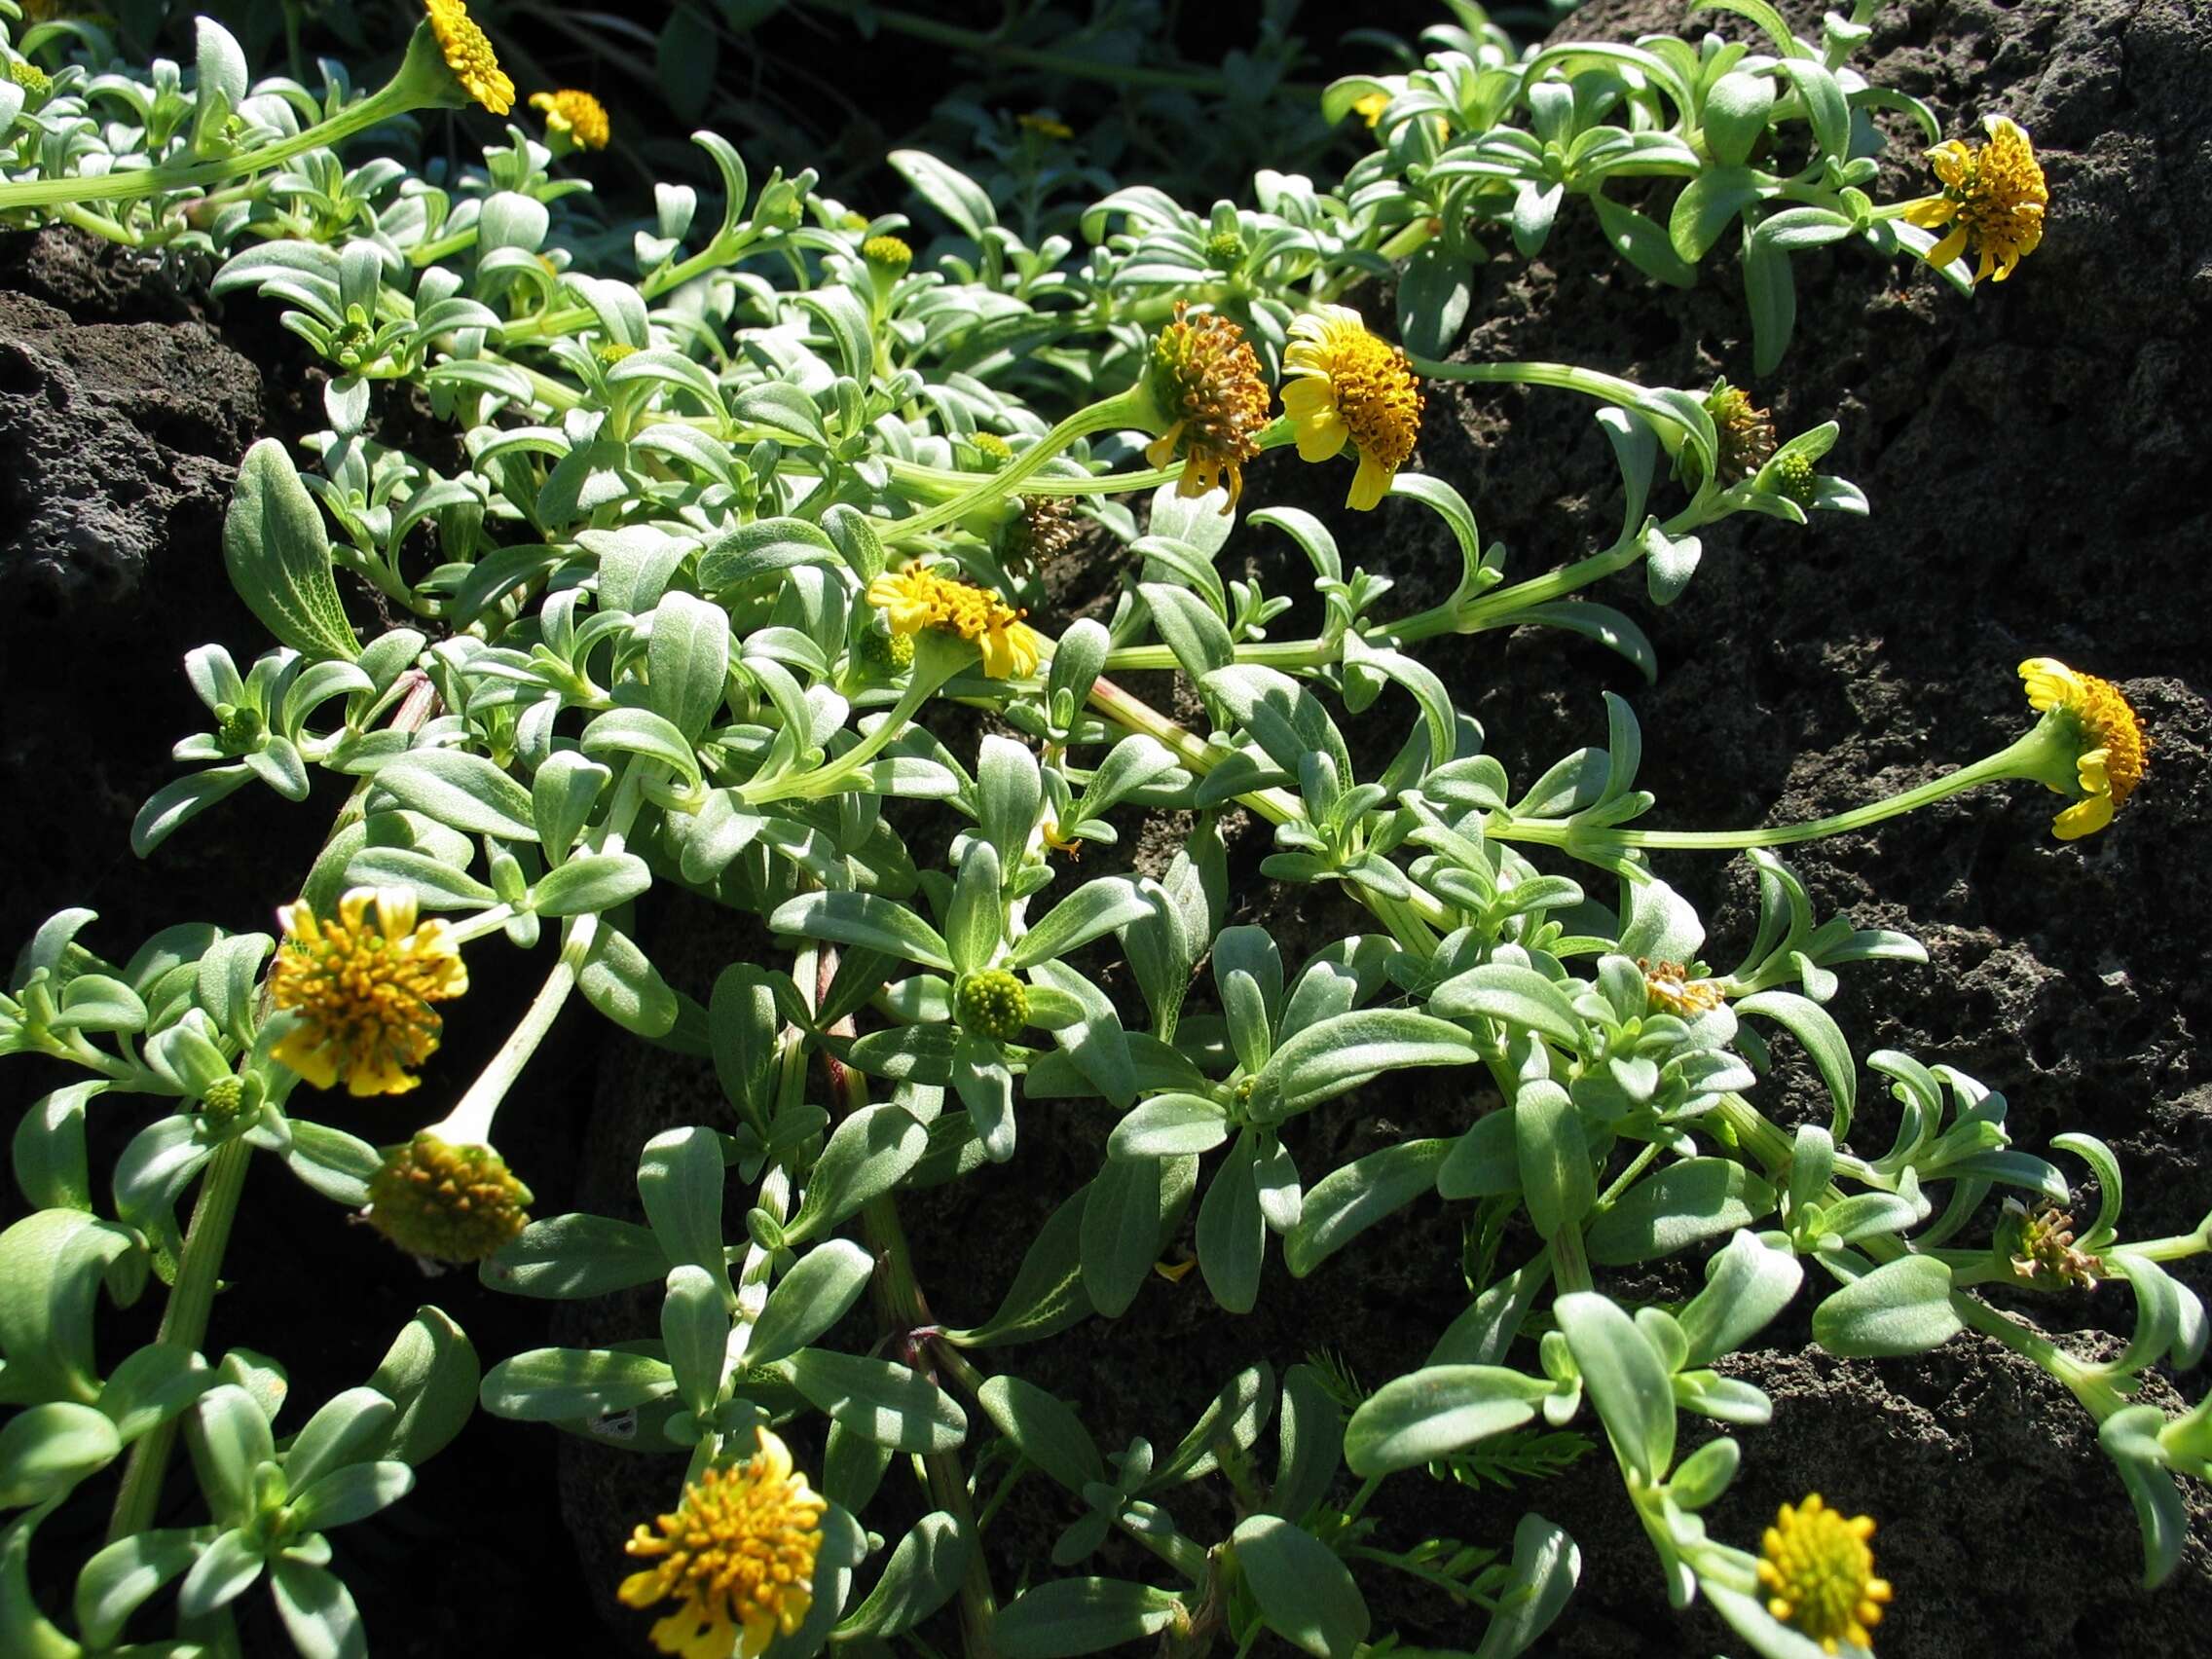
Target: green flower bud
888, 254
450, 1203
1795, 477
231, 1100
35, 81
1225, 250
886, 655
240, 729
994, 450
993, 1003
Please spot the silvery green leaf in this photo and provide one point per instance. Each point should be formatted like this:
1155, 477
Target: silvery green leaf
1065, 1616
1901, 1307
1349, 1201
888, 1402
279, 555
1432, 1413
1304, 1593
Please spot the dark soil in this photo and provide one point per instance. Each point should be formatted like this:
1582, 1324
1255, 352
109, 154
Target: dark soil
2027, 457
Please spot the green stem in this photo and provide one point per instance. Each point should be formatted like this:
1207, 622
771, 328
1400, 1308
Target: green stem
132, 183
2007, 762
1133, 408
184, 1327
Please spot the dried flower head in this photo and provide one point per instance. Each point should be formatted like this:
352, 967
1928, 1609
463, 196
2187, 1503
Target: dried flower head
1343, 385
447, 1203
1993, 199
739, 1551
1671, 988
2045, 1251
994, 1003
362, 985
1746, 433
1206, 382
1820, 1573
470, 55
916, 598
576, 116
1048, 527
2111, 746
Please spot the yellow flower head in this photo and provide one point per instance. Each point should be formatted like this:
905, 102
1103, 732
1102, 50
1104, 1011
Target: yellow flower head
362, 986
1822, 1574
1206, 382
889, 252
739, 1551
447, 1203
578, 116
1993, 198
2111, 745
1669, 987
1044, 125
916, 598
1342, 384
1369, 106
470, 55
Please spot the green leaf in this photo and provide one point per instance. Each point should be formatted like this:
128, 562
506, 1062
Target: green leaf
865, 920
976, 918
1434, 291
567, 1257
680, 1179
118, 1580
1626, 1380
1823, 1041
48, 1448
1546, 1564
867, 1154
809, 1298
1168, 1126
1232, 1232
1746, 1285
687, 662
1068, 1616
888, 1402
431, 1374
1045, 1428
951, 192
1696, 1198
1238, 1414
1306, 1595
343, 1430
1341, 1053
1346, 1202
1094, 909
317, 1610
352, 1493
1437, 1411
278, 556
1512, 995
1554, 1156
463, 790
561, 796
1309, 1443
562, 1385
1048, 1293
1130, 1204
25, 1633
48, 1148
622, 985
1484, 1163
643, 734
590, 882
51, 1266
923, 1573
1902, 1307
1707, 204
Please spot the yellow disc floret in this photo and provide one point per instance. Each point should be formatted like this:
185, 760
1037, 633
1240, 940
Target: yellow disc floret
2111, 746
470, 55
890, 252
1343, 385
362, 987
1820, 1574
578, 116
1206, 382
739, 1551
916, 598
1993, 199
447, 1203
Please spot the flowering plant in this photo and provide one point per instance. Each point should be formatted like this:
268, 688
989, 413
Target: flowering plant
755, 511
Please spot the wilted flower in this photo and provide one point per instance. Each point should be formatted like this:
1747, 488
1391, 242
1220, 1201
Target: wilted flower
1205, 380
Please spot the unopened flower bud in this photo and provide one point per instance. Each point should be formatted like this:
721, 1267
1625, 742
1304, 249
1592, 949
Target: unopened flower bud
993, 1003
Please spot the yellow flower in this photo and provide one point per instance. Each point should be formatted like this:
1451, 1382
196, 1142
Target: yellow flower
1822, 1573
1206, 382
1341, 386
1044, 125
1993, 196
578, 116
2111, 743
1369, 106
740, 1551
362, 986
916, 598
470, 55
